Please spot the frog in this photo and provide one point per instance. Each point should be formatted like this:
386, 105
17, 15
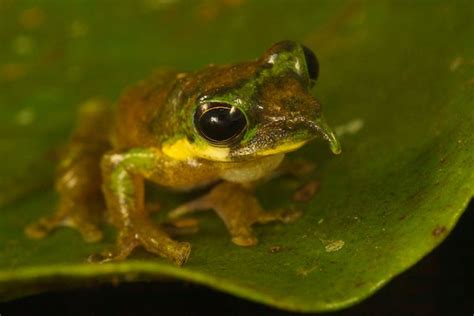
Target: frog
223, 129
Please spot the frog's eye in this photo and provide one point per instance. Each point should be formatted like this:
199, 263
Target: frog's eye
220, 123
311, 63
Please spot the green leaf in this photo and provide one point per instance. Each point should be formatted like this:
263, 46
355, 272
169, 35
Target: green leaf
396, 81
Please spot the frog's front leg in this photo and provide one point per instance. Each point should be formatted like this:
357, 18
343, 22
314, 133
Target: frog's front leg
239, 209
123, 187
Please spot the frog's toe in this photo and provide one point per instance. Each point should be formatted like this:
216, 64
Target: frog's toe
126, 242
242, 235
182, 251
290, 216
181, 226
283, 215
158, 243
199, 204
89, 232
37, 230
115, 254
44, 226
245, 241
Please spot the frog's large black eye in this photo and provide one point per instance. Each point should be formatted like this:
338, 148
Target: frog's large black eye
220, 123
311, 63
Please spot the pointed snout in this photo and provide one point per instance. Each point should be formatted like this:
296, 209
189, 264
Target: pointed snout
322, 129
311, 122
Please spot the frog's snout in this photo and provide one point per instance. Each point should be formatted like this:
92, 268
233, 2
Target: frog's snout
322, 129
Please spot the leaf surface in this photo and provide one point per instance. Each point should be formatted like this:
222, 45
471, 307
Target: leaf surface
396, 82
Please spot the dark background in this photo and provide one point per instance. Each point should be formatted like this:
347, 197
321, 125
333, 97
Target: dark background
440, 284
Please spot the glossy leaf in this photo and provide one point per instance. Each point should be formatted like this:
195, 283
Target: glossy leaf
396, 81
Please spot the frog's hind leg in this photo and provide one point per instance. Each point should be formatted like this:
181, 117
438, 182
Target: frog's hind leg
238, 208
68, 214
78, 177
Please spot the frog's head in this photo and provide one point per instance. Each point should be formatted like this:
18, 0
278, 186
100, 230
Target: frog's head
256, 109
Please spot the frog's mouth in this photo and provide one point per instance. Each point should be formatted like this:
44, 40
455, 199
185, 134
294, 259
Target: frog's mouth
279, 137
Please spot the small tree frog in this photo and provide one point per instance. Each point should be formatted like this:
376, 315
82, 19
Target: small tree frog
224, 126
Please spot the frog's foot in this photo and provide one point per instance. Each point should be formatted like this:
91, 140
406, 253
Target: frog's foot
239, 210
79, 217
151, 237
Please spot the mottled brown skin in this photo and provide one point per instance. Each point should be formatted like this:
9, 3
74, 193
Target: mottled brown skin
137, 109
154, 137
78, 176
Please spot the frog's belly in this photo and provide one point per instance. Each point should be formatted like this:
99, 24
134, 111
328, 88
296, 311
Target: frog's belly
184, 176
252, 171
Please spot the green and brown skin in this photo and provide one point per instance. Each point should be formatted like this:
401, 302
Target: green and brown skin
154, 138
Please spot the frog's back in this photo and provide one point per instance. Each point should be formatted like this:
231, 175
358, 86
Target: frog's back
136, 108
